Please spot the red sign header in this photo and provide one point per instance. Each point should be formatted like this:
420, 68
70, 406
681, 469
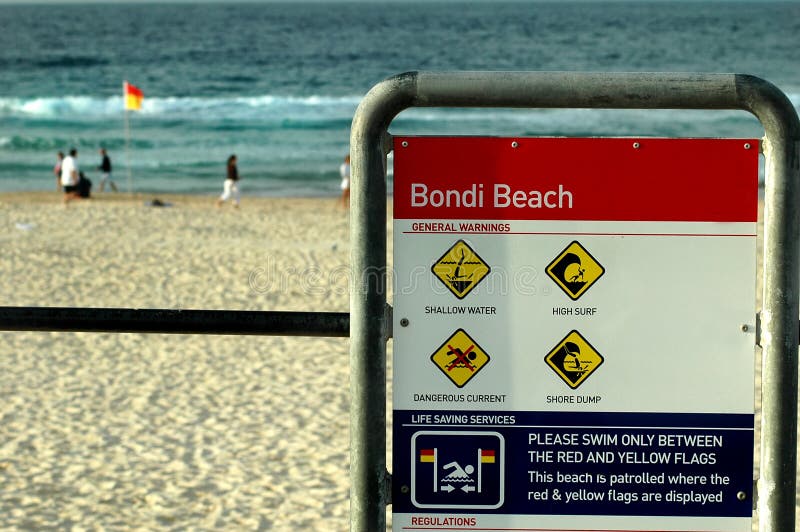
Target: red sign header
610, 179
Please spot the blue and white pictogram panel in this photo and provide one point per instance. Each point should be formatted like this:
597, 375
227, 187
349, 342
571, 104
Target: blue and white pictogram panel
452, 469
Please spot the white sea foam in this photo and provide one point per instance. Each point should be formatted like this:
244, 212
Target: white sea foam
165, 106
326, 106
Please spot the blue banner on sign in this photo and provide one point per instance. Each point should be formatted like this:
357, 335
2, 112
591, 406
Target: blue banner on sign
573, 463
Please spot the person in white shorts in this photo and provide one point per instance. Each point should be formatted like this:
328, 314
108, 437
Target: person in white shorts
70, 174
231, 187
344, 171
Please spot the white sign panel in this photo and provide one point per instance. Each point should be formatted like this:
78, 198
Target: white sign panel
568, 334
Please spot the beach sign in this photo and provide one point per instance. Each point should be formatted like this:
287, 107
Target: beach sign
571, 338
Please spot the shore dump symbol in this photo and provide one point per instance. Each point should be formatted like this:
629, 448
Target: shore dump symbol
574, 270
460, 358
460, 269
574, 359
457, 469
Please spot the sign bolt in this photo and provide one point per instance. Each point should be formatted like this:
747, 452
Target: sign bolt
747, 145
741, 495
636, 145
515, 144
745, 327
403, 322
404, 489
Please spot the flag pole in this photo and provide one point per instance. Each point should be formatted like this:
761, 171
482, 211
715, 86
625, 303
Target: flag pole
127, 136
480, 468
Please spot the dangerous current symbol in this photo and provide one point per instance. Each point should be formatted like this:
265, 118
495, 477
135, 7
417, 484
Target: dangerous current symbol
460, 269
460, 358
575, 270
574, 359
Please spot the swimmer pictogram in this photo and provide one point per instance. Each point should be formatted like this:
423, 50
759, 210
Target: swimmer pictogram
460, 358
573, 359
574, 270
459, 469
460, 269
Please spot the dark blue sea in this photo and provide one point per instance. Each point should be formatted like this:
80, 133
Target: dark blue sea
278, 83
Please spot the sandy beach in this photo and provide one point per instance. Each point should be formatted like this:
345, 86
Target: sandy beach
174, 432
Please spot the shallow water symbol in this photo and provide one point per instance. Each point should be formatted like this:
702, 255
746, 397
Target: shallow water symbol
460, 269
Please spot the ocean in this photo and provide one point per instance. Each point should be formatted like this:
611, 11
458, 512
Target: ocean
278, 83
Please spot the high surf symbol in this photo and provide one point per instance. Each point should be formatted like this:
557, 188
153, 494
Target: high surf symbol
574, 270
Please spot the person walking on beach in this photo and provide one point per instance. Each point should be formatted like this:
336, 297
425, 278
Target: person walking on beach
105, 169
57, 169
231, 186
70, 175
344, 172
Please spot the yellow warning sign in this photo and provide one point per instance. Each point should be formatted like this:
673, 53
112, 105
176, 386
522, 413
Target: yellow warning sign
574, 359
460, 269
460, 358
575, 270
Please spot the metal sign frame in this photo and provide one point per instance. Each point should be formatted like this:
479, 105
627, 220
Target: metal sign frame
370, 323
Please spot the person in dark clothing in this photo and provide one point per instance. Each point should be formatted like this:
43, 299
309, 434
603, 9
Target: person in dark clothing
105, 169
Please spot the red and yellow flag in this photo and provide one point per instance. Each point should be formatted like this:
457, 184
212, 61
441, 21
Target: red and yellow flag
487, 456
133, 97
427, 455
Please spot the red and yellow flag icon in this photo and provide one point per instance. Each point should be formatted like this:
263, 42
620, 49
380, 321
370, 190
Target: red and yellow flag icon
133, 97
427, 455
487, 456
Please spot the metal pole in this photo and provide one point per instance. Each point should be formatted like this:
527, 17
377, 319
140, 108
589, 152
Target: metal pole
169, 321
573, 90
369, 325
777, 482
